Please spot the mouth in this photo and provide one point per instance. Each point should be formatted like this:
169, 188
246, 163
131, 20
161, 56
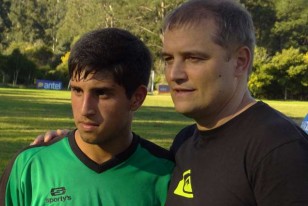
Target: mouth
179, 91
88, 126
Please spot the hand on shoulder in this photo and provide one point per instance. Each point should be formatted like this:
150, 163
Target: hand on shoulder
49, 135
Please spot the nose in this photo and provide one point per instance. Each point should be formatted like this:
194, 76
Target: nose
88, 105
176, 71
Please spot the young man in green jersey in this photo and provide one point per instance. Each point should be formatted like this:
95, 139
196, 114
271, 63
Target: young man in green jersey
102, 162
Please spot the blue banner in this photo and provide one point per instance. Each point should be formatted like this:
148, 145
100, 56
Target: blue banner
162, 88
47, 84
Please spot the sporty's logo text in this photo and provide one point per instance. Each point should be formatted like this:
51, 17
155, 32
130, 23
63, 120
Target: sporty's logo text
58, 195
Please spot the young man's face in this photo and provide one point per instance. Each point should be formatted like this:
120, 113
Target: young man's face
197, 70
101, 109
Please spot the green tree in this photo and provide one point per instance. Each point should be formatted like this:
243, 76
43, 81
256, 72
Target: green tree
291, 27
24, 18
81, 16
283, 76
264, 17
5, 22
20, 69
3, 68
34, 21
51, 14
290, 73
259, 78
146, 23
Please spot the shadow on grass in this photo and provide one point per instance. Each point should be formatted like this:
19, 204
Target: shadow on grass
17, 107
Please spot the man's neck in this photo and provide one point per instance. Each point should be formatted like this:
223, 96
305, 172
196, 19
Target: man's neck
226, 114
101, 153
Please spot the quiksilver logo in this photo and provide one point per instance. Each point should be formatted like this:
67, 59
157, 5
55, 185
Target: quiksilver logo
184, 187
58, 195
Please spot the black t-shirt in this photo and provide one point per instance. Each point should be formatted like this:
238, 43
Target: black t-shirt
258, 158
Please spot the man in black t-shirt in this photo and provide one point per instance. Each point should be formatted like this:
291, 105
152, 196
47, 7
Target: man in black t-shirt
240, 152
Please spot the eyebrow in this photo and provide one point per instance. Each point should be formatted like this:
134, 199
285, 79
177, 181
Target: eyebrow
107, 90
164, 54
109, 87
187, 53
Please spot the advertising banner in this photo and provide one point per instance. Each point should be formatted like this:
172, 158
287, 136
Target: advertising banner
47, 84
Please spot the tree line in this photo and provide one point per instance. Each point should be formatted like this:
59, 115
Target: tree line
36, 36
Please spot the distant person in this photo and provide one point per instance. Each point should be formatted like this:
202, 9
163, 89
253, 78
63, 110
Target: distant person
241, 151
102, 162
304, 124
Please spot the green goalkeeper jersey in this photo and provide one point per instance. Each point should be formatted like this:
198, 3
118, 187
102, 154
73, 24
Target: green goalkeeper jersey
59, 173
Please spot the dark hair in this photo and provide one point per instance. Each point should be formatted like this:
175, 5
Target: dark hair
112, 51
234, 23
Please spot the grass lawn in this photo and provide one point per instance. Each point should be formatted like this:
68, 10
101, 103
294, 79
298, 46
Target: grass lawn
25, 113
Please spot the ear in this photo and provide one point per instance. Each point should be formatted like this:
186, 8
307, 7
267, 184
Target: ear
138, 97
243, 59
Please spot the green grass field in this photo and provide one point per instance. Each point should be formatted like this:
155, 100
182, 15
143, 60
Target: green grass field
25, 113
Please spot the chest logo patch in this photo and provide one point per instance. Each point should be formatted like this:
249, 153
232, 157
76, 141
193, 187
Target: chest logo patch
58, 195
184, 187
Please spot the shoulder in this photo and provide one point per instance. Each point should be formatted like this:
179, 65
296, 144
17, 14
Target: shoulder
276, 124
33, 150
23, 160
29, 153
181, 137
155, 150
150, 155
262, 126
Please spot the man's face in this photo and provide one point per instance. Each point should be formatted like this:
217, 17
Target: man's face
198, 71
101, 109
